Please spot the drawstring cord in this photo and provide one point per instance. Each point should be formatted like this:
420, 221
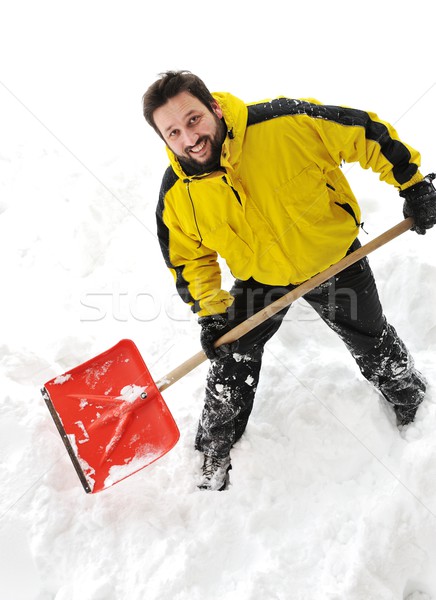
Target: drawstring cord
187, 182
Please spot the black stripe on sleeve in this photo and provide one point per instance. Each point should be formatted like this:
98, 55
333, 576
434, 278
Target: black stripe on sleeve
394, 151
163, 234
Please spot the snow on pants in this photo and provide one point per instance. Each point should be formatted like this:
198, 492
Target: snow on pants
349, 304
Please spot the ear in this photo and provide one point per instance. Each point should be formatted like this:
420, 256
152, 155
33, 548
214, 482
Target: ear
217, 109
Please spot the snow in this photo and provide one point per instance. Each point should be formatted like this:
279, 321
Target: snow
328, 500
60, 379
132, 392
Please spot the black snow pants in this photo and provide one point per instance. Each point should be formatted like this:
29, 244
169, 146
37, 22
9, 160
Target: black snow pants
349, 304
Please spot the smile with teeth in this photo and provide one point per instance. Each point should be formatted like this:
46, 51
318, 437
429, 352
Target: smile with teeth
198, 147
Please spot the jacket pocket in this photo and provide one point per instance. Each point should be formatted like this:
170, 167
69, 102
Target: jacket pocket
349, 209
305, 197
236, 252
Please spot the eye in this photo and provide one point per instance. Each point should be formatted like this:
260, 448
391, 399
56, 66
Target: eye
193, 120
173, 133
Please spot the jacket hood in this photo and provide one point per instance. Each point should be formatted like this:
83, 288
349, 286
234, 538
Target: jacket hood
235, 115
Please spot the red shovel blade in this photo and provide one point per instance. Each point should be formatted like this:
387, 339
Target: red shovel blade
111, 416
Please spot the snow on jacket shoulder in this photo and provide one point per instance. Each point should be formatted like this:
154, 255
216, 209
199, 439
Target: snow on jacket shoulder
281, 209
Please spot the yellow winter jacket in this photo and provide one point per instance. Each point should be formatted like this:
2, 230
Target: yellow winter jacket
280, 210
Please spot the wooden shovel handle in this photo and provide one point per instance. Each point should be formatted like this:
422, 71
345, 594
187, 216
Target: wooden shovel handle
272, 309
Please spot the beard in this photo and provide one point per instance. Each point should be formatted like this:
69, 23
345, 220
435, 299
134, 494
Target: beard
192, 166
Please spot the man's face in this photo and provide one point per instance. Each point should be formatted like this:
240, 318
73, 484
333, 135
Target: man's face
192, 131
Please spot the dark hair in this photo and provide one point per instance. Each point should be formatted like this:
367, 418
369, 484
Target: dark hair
169, 85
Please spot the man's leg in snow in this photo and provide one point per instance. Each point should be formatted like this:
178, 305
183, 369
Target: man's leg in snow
390, 367
232, 380
230, 389
350, 305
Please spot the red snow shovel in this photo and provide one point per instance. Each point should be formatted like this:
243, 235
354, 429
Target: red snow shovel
109, 411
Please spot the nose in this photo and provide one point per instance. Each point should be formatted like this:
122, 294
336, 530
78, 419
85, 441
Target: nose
190, 138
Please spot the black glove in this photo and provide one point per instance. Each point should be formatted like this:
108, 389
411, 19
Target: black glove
420, 203
212, 328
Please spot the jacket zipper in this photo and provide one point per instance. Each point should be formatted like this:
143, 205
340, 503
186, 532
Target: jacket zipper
238, 197
348, 209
